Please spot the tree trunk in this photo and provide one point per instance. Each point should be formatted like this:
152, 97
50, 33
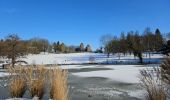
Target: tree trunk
140, 58
119, 55
3, 66
108, 55
149, 55
13, 56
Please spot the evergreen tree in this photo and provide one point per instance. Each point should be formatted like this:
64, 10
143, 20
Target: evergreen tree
55, 47
88, 48
158, 40
81, 47
58, 46
62, 47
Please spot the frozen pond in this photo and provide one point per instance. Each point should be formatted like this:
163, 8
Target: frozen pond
97, 82
93, 82
106, 82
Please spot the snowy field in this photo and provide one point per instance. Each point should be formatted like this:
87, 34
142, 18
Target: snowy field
79, 58
101, 81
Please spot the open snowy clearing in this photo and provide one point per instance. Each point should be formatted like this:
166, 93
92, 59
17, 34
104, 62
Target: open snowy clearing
79, 58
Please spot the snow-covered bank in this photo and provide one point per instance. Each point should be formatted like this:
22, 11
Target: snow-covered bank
79, 58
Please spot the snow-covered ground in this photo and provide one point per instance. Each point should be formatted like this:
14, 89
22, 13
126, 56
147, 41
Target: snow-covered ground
3, 74
79, 58
126, 73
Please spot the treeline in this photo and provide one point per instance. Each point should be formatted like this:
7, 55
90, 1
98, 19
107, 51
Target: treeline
13, 47
61, 47
134, 43
37, 45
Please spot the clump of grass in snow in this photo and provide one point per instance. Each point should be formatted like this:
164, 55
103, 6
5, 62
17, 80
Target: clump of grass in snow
36, 81
17, 85
36, 88
58, 84
153, 85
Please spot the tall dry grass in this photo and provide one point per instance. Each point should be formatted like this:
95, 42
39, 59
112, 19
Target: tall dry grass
165, 70
17, 85
58, 84
36, 88
152, 83
36, 81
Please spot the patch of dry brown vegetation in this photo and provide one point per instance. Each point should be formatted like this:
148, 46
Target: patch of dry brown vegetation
58, 84
34, 79
17, 85
152, 83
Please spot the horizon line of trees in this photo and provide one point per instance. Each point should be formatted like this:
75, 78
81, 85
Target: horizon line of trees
37, 45
13, 47
134, 43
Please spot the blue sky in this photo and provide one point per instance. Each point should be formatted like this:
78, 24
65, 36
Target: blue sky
75, 21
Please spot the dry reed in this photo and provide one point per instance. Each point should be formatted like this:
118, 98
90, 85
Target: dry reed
17, 85
153, 85
58, 85
36, 81
34, 78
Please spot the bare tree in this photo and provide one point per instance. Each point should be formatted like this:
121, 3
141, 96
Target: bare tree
13, 51
106, 43
105, 39
2, 48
